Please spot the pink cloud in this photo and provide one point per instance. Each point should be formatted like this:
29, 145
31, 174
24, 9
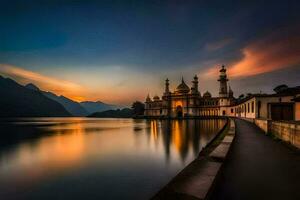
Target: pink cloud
276, 51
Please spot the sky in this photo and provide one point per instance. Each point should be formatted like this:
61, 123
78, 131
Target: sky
119, 51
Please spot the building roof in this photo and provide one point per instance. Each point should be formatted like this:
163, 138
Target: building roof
283, 94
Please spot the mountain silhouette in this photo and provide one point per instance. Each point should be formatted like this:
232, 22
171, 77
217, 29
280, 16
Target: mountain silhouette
71, 106
76, 109
19, 101
98, 106
32, 87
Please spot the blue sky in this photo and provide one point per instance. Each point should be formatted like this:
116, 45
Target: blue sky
118, 51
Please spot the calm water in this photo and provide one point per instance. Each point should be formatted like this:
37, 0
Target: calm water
80, 158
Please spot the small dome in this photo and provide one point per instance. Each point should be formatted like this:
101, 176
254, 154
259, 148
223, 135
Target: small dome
207, 95
155, 98
182, 87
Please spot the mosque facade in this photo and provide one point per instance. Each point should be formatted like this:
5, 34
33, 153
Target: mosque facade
187, 101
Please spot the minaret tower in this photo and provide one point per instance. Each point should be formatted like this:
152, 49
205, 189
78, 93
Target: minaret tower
195, 85
167, 90
223, 82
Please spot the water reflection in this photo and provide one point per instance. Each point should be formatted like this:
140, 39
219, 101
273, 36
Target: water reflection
184, 136
103, 158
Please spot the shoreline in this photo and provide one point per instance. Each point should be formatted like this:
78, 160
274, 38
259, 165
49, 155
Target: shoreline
200, 165
180, 118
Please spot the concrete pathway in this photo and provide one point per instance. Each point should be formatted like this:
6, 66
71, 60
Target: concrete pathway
258, 167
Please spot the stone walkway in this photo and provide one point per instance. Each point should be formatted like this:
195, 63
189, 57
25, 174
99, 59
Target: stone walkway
258, 167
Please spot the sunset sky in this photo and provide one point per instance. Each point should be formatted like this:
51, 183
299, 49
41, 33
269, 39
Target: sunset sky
119, 51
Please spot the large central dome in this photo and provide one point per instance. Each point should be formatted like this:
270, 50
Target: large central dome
182, 87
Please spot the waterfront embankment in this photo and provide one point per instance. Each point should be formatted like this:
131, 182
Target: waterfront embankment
287, 131
197, 179
258, 167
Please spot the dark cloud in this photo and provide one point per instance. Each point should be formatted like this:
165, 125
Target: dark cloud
151, 37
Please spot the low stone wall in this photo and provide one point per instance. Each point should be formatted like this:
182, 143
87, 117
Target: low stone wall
284, 130
263, 124
288, 132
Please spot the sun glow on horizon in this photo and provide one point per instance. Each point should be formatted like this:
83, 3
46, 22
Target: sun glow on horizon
93, 89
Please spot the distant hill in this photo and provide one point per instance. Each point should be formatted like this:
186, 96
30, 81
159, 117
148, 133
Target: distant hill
124, 113
32, 87
98, 106
19, 101
72, 106
76, 109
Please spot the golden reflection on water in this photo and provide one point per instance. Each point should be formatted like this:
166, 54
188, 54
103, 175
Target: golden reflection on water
184, 136
66, 144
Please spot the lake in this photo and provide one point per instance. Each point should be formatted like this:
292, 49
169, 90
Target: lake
87, 158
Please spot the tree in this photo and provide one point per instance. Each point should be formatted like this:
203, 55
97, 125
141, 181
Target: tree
138, 108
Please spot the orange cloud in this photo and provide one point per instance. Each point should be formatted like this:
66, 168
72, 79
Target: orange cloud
266, 56
262, 56
61, 87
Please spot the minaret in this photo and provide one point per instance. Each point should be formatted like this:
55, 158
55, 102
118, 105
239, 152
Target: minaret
223, 82
167, 90
195, 85
148, 98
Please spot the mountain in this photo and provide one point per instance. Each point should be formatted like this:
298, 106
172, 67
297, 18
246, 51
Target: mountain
32, 87
124, 113
98, 106
71, 106
19, 101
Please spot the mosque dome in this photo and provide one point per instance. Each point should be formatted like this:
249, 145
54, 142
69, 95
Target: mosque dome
182, 87
156, 98
207, 94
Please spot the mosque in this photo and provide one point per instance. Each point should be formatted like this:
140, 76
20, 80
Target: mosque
184, 102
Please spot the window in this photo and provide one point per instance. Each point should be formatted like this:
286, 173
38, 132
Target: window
231, 110
258, 108
248, 107
252, 107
